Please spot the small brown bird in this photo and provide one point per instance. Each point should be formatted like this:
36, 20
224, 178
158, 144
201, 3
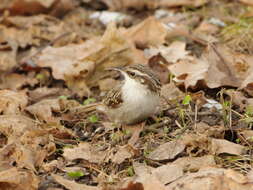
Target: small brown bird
135, 98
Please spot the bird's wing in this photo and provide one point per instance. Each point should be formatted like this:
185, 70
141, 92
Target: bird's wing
113, 99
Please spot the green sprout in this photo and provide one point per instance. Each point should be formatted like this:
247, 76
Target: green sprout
40, 76
89, 101
63, 97
226, 109
130, 171
248, 116
187, 100
75, 174
93, 118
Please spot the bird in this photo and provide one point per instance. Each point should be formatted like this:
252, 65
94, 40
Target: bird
135, 98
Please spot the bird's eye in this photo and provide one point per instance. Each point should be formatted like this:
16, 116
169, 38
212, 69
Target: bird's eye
130, 73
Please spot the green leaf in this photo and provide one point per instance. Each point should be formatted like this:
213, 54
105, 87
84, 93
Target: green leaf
248, 120
75, 174
40, 76
238, 141
226, 104
115, 136
250, 139
165, 129
130, 171
187, 100
249, 111
89, 101
126, 132
93, 119
63, 97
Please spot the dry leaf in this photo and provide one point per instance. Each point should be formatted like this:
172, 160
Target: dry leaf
220, 146
72, 185
16, 37
239, 99
167, 151
193, 164
83, 64
189, 71
67, 61
164, 174
153, 183
12, 102
62, 7
43, 109
222, 70
123, 153
18, 179
120, 4
247, 83
142, 170
150, 183
14, 126
149, 32
25, 7
53, 165
7, 60
206, 28
59, 131
141, 4
40, 143
32, 31
173, 53
15, 81
218, 66
44, 92
16, 153
29, 151
20, 4
227, 68
249, 2
84, 151
216, 131
212, 179
173, 3
171, 92
27, 144
196, 144
168, 173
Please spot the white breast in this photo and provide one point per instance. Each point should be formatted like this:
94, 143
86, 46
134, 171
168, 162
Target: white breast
141, 102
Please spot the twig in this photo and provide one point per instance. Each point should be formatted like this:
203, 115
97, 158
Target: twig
196, 116
154, 127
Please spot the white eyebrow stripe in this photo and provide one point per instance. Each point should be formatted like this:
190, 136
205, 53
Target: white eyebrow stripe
139, 73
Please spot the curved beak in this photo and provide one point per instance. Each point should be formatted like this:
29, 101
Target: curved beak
120, 70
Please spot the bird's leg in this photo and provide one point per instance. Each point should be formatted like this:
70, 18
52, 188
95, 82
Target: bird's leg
118, 130
135, 130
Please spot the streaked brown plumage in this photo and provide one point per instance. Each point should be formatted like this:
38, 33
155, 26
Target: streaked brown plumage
135, 98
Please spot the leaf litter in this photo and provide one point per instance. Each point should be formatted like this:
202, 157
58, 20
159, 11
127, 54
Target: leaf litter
53, 61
